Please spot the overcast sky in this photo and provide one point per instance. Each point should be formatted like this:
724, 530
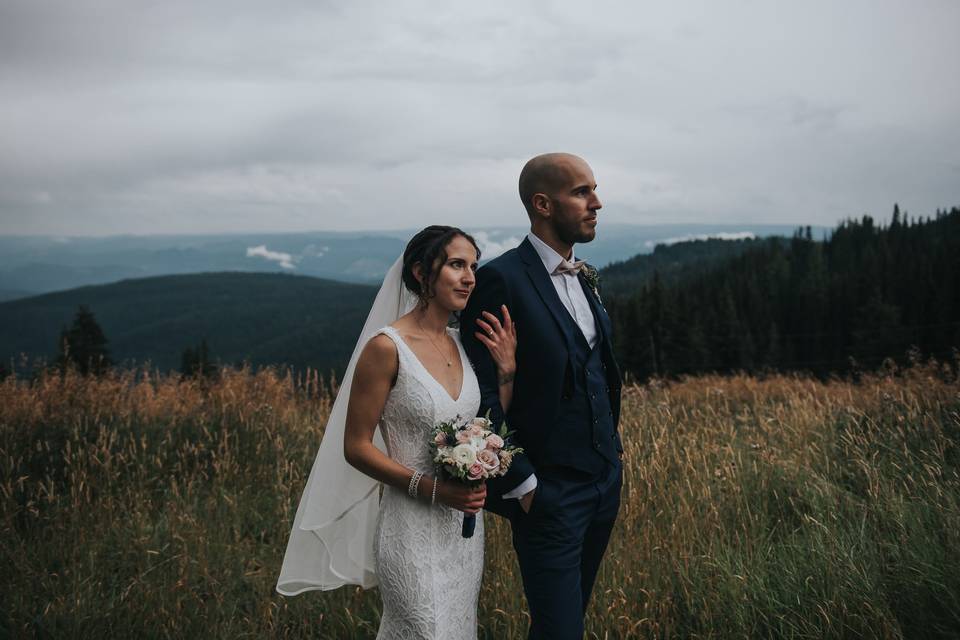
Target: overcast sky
223, 116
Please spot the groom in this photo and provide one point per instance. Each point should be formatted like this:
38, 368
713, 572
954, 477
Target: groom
563, 494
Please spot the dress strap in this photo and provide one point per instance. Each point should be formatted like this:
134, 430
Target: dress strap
392, 333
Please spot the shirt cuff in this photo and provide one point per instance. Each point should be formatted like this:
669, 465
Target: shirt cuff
523, 488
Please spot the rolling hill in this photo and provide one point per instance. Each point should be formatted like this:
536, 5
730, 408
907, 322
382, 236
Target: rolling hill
262, 318
672, 262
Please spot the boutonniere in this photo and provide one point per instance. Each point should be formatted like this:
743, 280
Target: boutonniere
592, 277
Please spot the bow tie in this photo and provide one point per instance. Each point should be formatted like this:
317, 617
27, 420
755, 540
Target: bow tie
572, 268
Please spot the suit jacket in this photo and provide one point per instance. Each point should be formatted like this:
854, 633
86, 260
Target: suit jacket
545, 344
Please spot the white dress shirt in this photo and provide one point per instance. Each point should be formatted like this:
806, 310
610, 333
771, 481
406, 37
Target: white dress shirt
568, 288
575, 302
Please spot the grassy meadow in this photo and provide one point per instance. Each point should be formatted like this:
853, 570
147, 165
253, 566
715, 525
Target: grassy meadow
139, 506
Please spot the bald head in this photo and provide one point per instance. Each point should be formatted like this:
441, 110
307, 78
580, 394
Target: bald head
545, 174
559, 193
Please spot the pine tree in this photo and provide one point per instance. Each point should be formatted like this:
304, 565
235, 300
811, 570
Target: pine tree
655, 314
84, 345
773, 355
196, 362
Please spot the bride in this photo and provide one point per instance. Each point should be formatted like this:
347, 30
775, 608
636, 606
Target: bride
408, 373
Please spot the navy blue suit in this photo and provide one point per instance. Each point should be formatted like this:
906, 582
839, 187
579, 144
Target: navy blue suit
565, 410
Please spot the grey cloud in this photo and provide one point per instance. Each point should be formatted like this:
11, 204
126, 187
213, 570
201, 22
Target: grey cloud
219, 116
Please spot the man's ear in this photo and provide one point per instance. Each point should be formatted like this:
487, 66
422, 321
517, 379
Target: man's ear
542, 205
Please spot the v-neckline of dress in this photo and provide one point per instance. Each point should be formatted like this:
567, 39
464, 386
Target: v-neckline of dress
427, 371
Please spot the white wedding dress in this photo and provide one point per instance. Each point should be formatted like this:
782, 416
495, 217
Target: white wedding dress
429, 574
344, 532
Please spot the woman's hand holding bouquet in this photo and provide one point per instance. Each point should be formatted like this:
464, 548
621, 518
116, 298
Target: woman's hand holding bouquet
469, 454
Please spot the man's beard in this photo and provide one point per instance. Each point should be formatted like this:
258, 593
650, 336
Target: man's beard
573, 235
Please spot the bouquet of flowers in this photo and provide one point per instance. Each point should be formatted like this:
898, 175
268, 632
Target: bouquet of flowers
470, 453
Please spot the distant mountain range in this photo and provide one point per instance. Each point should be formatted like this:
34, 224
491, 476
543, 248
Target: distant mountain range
31, 265
268, 318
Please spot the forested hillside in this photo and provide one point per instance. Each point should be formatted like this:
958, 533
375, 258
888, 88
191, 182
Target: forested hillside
261, 318
865, 293
674, 261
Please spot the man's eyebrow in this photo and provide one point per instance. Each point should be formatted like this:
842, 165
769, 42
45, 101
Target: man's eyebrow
581, 186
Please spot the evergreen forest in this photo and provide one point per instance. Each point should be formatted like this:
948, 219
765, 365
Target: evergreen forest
841, 304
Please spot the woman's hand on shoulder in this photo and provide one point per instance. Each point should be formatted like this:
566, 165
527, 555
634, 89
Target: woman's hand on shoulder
500, 340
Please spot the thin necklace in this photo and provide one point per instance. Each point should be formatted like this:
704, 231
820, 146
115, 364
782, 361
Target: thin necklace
442, 354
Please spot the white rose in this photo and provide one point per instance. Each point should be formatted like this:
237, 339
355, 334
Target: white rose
464, 455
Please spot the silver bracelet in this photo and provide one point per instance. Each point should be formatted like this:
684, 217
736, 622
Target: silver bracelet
414, 484
433, 494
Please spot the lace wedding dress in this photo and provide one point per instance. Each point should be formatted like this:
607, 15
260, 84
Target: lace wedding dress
344, 533
429, 574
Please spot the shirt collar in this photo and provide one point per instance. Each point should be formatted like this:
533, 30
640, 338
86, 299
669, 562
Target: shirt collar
551, 259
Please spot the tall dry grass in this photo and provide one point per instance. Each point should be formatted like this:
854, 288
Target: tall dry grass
140, 506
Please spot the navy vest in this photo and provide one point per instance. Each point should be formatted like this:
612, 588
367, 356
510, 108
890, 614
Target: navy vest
585, 415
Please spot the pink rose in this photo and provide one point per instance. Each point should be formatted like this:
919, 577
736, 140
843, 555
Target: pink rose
476, 430
483, 423
440, 439
476, 471
463, 437
494, 442
489, 460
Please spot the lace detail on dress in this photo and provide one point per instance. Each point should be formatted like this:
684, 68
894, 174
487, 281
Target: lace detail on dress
429, 574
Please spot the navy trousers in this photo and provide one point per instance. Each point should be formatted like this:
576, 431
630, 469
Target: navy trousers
560, 544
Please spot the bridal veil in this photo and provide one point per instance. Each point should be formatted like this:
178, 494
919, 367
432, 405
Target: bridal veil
331, 543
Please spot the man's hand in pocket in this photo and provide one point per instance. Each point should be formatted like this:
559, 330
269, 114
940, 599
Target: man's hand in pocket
527, 500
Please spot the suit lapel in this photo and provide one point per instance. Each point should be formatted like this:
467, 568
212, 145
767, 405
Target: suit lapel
599, 312
604, 326
541, 282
